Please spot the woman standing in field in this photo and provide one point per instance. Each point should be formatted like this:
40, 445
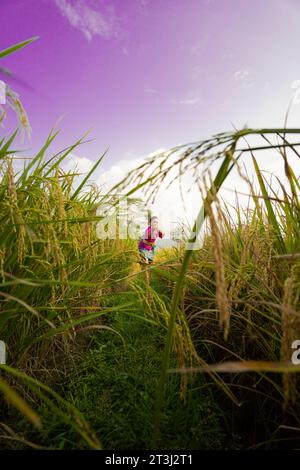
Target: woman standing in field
147, 245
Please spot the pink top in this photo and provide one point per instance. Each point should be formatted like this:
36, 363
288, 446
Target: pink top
149, 238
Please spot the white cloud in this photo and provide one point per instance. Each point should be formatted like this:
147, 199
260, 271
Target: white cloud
117, 172
86, 16
243, 77
241, 74
190, 99
77, 164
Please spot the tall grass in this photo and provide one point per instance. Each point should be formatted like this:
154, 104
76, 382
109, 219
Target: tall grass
54, 269
275, 219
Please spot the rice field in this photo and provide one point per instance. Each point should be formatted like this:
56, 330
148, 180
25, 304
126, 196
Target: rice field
103, 353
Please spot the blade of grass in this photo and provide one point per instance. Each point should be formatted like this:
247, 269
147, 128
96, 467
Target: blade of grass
18, 402
88, 175
16, 47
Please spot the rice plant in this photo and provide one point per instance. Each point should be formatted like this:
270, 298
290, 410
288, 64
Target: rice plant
272, 228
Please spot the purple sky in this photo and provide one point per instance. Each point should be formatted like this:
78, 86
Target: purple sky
148, 74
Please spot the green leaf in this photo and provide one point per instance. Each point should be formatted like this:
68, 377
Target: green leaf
18, 402
16, 47
88, 175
